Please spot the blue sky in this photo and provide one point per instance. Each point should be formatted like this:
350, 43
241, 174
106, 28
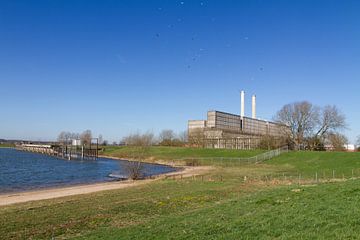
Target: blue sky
118, 67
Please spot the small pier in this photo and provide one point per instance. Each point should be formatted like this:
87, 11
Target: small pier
68, 152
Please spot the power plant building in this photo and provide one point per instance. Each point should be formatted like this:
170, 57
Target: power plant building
226, 130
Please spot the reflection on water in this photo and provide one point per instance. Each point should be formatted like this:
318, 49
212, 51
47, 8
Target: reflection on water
23, 170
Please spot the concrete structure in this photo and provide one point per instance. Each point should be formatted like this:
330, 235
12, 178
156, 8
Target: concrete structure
242, 102
253, 107
226, 130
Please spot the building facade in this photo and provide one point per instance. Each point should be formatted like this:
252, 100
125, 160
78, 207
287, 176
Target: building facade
226, 130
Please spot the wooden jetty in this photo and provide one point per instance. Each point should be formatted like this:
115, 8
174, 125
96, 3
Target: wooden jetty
63, 151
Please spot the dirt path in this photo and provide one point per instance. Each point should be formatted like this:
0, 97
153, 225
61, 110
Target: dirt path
12, 198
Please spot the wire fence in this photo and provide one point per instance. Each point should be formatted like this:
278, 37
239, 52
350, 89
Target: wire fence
279, 178
233, 161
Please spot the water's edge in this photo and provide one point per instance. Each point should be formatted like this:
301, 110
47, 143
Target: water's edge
151, 170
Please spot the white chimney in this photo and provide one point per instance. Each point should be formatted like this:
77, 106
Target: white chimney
242, 96
253, 106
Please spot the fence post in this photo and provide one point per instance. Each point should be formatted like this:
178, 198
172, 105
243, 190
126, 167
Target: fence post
316, 177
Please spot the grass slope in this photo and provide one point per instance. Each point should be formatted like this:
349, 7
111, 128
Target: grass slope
171, 153
308, 163
281, 213
209, 209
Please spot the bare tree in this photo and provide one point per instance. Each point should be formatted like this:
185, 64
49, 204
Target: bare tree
337, 141
137, 139
196, 138
331, 119
301, 118
86, 137
166, 135
140, 144
134, 169
62, 137
183, 136
66, 137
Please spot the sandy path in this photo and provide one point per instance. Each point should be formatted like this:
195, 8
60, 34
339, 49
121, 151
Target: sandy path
12, 198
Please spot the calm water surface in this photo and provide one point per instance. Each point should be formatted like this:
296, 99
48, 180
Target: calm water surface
20, 171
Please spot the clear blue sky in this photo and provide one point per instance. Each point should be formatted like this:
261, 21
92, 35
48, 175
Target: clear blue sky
117, 67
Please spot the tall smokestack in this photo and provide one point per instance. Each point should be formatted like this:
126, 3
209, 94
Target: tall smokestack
242, 96
253, 106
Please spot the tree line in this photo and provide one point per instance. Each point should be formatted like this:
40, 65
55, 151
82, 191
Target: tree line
166, 137
309, 127
312, 127
86, 137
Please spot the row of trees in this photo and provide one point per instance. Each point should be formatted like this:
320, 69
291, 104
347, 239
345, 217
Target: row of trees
85, 137
166, 137
312, 127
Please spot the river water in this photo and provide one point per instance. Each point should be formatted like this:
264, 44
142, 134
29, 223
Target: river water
22, 171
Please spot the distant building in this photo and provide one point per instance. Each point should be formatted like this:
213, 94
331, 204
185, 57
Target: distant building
350, 147
226, 130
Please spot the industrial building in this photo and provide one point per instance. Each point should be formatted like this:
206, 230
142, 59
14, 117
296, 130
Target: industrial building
226, 130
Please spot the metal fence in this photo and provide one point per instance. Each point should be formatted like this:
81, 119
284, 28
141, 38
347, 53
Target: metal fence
230, 161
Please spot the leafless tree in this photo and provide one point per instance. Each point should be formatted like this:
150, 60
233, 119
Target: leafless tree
196, 138
166, 135
137, 139
62, 137
86, 137
183, 136
301, 118
331, 119
140, 144
309, 125
134, 169
66, 137
337, 141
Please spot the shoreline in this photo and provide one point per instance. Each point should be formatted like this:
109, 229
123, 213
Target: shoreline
58, 192
156, 162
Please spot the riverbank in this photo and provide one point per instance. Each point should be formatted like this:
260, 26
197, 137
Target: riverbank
13, 198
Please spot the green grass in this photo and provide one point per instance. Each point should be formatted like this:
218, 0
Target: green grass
308, 163
6, 145
176, 153
82, 215
220, 207
281, 213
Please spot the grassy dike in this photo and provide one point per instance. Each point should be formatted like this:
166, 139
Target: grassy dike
7, 145
175, 153
204, 208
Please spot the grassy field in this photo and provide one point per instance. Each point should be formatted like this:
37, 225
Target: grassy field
324, 163
6, 145
219, 205
173, 153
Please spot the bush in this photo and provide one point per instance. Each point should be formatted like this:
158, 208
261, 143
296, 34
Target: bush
134, 170
192, 162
